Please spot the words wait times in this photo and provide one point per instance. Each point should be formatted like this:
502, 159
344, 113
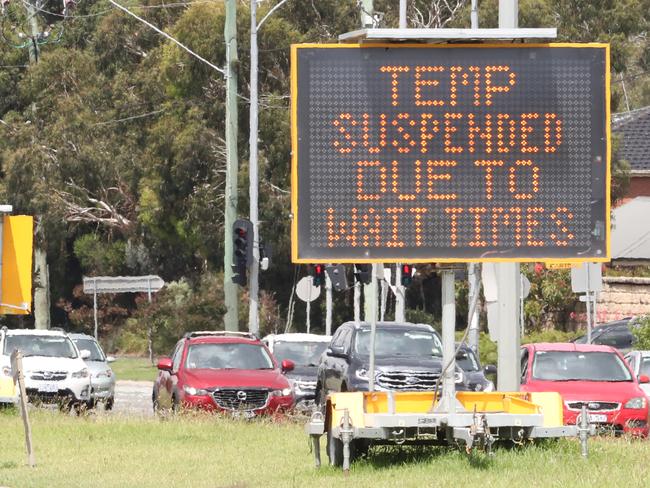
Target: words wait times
430, 145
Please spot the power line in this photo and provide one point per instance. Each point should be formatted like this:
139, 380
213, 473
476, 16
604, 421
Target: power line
167, 36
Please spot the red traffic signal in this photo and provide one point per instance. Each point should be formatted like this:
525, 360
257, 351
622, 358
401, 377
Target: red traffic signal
407, 274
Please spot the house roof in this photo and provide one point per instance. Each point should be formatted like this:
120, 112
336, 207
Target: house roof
631, 230
634, 129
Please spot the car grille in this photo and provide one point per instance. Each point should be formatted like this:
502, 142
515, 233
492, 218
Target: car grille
594, 406
48, 375
241, 399
407, 380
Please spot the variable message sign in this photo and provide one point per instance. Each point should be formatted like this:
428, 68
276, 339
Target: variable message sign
434, 153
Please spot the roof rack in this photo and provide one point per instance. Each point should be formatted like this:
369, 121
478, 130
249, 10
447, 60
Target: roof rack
222, 333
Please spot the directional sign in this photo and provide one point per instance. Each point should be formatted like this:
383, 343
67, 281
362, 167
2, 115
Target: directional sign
455, 153
122, 284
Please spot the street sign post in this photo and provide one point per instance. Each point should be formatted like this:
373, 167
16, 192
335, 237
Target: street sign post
450, 153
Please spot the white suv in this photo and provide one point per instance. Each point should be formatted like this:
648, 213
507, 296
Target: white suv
54, 368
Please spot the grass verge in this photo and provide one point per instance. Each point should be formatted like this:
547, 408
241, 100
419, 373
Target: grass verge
134, 368
212, 452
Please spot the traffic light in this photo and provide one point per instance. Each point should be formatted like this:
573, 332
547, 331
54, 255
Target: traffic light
407, 274
336, 272
318, 274
363, 273
242, 235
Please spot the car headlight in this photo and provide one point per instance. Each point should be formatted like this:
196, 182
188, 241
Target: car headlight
6, 371
636, 403
108, 373
489, 386
361, 373
283, 392
82, 373
190, 390
459, 377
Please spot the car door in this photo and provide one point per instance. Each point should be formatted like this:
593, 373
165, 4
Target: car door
166, 379
336, 364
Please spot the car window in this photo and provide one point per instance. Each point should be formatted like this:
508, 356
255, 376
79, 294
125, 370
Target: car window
96, 353
619, 337
399, 342
228, 356
645, 366
467, 360
579, 366
37, 345
176, 357
340, 336
301, 353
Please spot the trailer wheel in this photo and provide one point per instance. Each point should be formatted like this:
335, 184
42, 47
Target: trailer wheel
334, 450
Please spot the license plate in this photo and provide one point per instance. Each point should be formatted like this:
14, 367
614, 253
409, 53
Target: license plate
595, 417
243, 414
48, 387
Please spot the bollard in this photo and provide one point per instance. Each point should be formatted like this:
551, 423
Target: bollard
583, 431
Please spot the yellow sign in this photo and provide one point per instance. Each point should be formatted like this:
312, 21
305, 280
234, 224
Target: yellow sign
17, 247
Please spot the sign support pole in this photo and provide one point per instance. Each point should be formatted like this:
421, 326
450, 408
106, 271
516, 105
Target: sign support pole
448, 397
95, 309
357, 303
473, 277
308, 306
399, 295
373, 326
508, 274
588, 296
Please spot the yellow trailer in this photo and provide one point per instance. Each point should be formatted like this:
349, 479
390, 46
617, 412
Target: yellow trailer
355, 421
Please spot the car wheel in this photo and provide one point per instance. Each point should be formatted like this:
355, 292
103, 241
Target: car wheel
334, 450
109, 403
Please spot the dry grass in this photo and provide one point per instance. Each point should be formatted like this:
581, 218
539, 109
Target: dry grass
207, 451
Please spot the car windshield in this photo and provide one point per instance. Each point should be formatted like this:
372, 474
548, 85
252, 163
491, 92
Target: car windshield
228, 356
301, 353
645, 366
40, 345
399, 342
467, 361
579, 366
96, 353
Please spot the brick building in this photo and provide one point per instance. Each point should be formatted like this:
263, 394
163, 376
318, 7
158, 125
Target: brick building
633, 128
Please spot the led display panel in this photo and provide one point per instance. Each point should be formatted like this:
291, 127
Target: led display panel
450, 153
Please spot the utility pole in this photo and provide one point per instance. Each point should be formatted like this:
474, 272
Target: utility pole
231, 318
508, 274
253, 286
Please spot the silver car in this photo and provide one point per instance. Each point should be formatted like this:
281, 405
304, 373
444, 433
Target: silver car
639, 361
102, 378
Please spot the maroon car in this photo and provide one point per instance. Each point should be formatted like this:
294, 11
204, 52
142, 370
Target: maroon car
223, 371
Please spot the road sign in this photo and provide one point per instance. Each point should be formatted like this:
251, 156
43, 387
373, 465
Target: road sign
585, 279
306, 291
17, 248
122, 284
435, 153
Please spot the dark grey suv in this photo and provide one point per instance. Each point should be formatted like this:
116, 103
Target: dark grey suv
408, 357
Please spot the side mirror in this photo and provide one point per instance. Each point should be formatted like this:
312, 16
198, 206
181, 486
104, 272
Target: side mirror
165, 364
643, 379
490, 369
337, 352
84, 353
110, 359
287, 365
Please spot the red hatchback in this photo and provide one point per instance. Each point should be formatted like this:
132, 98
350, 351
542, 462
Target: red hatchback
224, 371
596, 376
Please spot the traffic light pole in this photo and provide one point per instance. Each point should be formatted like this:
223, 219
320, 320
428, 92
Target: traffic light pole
254, 267
399, 295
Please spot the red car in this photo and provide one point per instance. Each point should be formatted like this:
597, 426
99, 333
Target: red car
596, 376
223, 371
